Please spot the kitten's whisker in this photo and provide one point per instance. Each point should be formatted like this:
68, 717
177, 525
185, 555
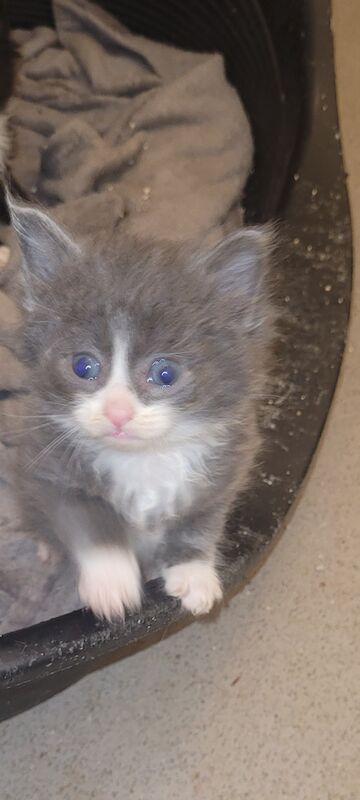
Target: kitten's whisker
46, 451
46, 308
40, 322
31, 416
50, 447
75, 451
53, 399
24, 430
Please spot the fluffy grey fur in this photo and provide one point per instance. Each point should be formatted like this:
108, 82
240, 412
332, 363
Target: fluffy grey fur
212, 312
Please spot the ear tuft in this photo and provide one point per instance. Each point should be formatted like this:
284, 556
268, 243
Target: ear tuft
240, 265
43, 243
241, 259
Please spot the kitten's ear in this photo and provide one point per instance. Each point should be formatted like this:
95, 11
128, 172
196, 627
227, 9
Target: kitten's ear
241, 259
240, 264
43, 243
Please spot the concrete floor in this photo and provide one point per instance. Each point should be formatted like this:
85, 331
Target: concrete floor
264, 703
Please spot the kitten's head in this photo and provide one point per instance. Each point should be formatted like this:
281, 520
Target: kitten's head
134, 345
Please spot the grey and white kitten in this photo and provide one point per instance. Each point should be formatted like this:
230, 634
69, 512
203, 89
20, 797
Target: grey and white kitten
146, 365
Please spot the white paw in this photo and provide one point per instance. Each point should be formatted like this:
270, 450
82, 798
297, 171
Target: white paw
110, 581
195, 583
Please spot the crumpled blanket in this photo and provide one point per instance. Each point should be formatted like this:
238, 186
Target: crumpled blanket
110, 128
109, 123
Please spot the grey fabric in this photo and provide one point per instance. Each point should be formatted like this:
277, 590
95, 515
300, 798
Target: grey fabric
110, 128
114, 126
31, 589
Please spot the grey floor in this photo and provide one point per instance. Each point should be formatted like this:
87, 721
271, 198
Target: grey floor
264, 703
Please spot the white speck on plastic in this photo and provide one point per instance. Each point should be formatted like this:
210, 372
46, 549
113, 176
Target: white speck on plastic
296, 241
309, 248
328, 287
287, 299
340, 300
320, 568
132, 125
296, 176
314, 191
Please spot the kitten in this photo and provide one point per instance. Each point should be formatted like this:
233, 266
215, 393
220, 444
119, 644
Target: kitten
146, 365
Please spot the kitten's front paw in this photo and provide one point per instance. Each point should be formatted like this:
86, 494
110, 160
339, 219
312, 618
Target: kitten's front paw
195, 583
110, 581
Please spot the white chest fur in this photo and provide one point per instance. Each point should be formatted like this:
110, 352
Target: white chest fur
149, 486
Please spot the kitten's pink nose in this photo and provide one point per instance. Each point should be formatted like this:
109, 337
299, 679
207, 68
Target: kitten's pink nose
119, 409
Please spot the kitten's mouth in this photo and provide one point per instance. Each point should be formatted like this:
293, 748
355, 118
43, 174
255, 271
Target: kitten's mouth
121, 437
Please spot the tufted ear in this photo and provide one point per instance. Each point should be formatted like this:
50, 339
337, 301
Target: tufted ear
241, 259
239, 265
43, 243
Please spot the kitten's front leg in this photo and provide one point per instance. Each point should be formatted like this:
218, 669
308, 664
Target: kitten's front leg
195, 583
109, 581
190, 573
109, 574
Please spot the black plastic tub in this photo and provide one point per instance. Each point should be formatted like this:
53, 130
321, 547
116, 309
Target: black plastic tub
279, 57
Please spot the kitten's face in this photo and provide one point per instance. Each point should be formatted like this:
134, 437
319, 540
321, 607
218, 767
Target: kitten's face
138, 346
122, 401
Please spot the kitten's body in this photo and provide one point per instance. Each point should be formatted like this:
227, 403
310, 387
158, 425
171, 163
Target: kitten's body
152, 494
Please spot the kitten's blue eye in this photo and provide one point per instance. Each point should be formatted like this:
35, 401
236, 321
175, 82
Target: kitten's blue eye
86, 366
162, 372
